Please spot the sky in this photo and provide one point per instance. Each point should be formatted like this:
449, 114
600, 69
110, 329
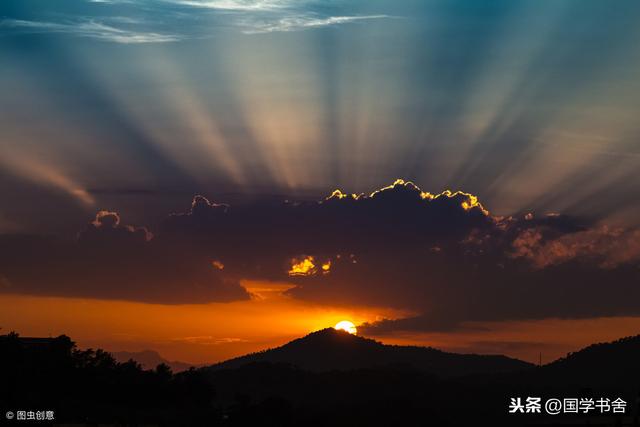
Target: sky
168, 170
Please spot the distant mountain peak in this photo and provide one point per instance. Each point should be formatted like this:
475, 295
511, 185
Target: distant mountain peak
149, 359
335, 336
330, 349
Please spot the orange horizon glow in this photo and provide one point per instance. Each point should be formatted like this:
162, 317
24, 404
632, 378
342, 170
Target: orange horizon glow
209, 333
192, 333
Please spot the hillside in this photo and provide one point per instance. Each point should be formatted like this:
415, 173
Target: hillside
329, 349
604, 364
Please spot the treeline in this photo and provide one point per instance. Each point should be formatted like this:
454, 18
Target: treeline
90, 386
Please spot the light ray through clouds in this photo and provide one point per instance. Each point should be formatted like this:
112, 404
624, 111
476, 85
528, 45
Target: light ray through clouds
499, 61
286, 132
528, 104
188, 132
48, 175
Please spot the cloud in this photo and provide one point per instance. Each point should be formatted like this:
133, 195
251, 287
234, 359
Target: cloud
302, 22
236, 5
605, 246
90, 28
110, 1
110, 260
131, 22
441, 256
269, 16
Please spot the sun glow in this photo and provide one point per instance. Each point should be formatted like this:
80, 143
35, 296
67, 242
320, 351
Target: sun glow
347, 326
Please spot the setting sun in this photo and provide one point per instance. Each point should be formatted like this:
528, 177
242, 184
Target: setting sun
345, 325
194, 191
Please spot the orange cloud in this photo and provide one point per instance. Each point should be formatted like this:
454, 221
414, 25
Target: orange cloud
195, 333
326, 267
302, 267
307, 266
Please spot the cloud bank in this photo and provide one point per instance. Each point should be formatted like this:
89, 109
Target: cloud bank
442, 256
110, 260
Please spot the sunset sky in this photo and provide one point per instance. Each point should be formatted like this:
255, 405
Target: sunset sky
168, 172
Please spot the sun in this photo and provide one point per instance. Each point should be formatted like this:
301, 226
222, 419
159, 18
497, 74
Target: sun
347, 326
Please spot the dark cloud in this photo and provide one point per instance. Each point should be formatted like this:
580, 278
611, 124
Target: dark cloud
113, 261
442, 256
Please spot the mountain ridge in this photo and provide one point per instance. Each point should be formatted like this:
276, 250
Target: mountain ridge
329, 349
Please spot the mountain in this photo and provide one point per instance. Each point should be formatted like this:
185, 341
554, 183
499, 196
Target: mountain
330, 349
89, 387
149, 359
602, 364
331, 378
